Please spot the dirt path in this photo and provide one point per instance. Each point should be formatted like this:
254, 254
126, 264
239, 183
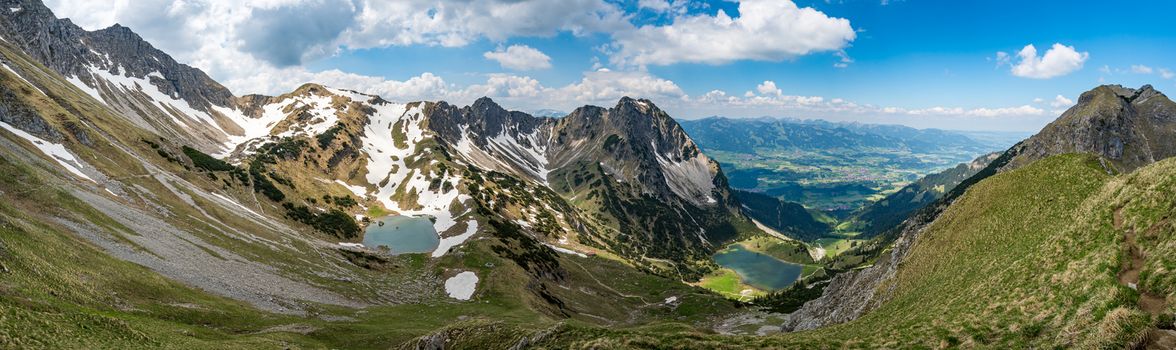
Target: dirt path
1129, 275
605, 286
1148, 302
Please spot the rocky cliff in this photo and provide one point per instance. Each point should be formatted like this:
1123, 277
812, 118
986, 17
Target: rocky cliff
1127, 127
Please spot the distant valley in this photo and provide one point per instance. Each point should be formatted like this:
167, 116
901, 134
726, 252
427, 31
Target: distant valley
834, 167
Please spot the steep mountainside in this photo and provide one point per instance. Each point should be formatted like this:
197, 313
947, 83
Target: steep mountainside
1129, 127
853, 294
790, 219
878, 217
1062, 276
624, 180
141, 83
623, 177
646, 190
145, 206
115, 231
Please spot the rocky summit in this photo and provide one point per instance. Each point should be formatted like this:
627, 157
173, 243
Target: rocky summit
1128, 127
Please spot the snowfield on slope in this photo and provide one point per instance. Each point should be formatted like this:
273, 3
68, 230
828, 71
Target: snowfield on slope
461, 286
54, 151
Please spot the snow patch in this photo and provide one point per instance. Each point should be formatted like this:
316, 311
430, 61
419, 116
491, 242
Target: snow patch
508, 153
166, 103
565, 250
234, 203
450, 242
55, 151
86, 88
23, 78
462, 286
351, 245
387, 166
357, 190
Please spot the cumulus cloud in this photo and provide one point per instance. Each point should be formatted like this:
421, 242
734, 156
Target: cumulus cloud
766, 30
1061, 101
519, 57
606, 85
260, 46
457, 23
231, 39
768, 87
1059, 60
1166, 73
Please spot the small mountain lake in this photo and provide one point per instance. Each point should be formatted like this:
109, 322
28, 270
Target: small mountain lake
402, 234
758, 270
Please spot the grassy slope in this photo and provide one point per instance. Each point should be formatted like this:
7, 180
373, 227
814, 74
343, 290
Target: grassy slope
1025, 259
52, 296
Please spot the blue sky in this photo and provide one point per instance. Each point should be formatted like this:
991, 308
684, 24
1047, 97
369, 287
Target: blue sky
915, 62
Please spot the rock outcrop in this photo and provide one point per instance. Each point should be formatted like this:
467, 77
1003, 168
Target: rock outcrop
1129, 128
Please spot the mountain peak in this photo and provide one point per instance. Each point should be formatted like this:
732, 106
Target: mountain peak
1118, 91
1128, 127
642, 104
486, 104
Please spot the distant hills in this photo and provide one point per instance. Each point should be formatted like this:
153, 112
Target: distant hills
832, 166
751, 134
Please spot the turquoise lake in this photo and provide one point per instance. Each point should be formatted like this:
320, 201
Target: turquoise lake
402, 234
759, 270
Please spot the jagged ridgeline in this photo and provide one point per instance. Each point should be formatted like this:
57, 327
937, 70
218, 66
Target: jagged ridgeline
625, 180
145, 203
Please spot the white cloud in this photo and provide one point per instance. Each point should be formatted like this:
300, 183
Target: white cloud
1166, 73
1141, 69
767, 30
519, 57
1002, 58
656, 5
844, 61
505, 85
1061, 101
225, 39
984, 112
607, 86
457, 23
1059, 60
233, 40
768, 87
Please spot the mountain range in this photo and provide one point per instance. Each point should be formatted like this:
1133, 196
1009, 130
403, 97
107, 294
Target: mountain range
147, 206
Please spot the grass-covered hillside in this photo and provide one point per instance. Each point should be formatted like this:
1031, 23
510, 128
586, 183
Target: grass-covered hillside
1026, 259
